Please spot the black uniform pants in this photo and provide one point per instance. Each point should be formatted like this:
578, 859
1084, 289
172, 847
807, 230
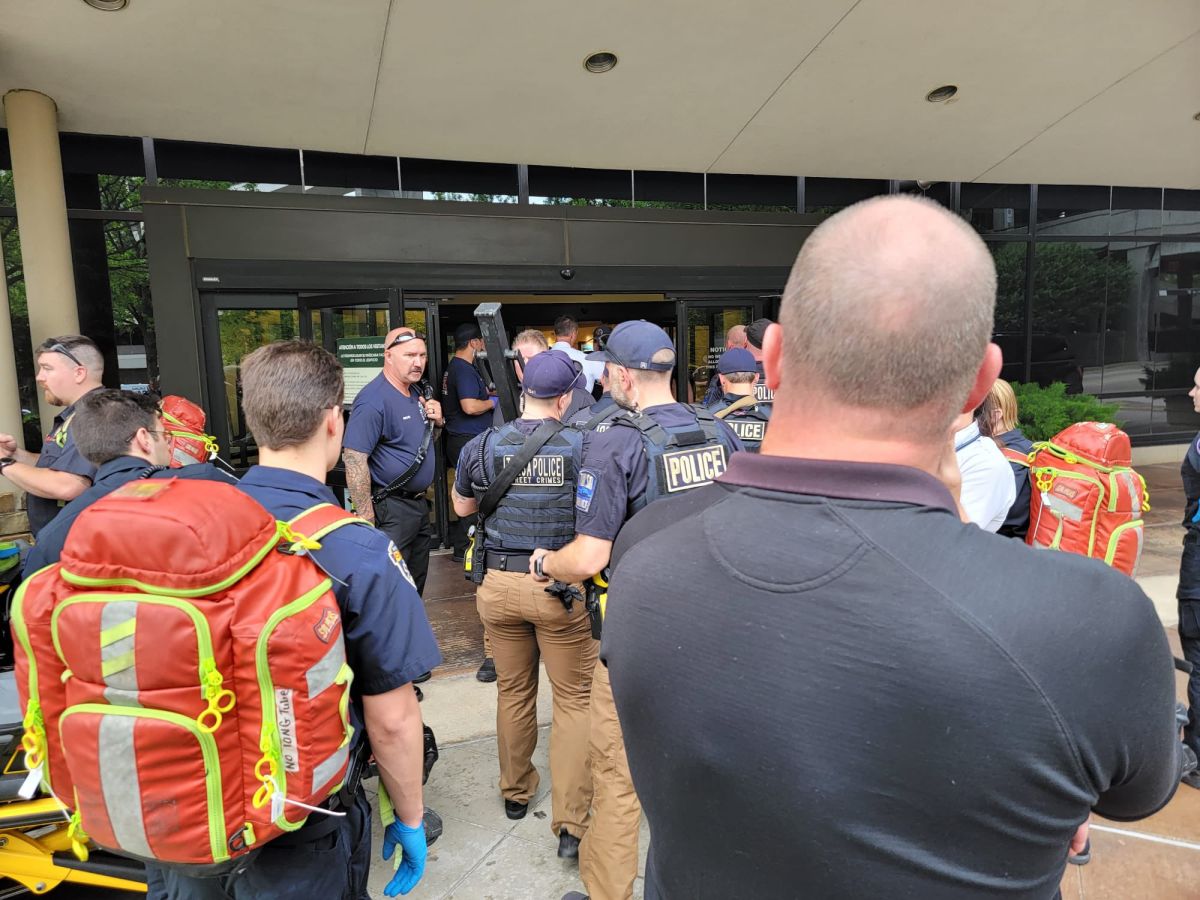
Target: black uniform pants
406, 522
333, 867
1189, 639
460, 525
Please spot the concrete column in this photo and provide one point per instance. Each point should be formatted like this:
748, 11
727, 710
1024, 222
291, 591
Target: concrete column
32, 121
10, 400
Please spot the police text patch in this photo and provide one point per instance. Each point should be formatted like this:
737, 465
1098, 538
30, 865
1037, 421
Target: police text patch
542, 471
763, 394
584, 491
692, 467
747, 429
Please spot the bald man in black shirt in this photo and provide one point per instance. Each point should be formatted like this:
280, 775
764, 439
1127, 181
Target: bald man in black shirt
894, 703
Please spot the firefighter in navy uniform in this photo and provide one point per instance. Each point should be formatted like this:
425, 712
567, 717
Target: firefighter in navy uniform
658, 448
1189, 589
388, 641
738, 405
521, 477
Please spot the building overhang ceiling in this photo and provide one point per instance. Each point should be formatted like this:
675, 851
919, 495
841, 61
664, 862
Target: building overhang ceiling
1072, 92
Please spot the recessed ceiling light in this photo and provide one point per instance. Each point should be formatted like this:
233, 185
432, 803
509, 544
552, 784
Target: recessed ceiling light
107, 5
600, 62
942, 94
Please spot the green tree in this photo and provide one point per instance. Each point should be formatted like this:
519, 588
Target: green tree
1045, 411
1069, 286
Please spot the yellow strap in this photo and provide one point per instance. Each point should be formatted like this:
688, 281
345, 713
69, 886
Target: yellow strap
116, 664
741, 403
117, 632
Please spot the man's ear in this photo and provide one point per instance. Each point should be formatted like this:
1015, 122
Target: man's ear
772, 355
989, 371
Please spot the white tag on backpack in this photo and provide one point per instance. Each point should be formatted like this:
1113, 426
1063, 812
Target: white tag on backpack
276, 804
30, 785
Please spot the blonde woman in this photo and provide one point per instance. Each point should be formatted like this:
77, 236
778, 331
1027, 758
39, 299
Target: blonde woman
999, 421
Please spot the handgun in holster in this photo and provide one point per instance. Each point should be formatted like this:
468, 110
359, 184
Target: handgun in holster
596, 600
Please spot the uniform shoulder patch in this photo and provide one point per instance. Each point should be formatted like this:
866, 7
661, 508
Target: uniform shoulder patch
585, 490
398, 561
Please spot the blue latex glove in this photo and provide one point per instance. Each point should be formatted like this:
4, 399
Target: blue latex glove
412, 856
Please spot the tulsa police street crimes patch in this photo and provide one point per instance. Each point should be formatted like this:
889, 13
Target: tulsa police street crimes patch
542, 471
691, 467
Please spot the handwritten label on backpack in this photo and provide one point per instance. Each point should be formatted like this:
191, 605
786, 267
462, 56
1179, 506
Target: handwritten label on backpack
285, 720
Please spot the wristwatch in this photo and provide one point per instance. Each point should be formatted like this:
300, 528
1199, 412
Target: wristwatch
537, 567
6, 462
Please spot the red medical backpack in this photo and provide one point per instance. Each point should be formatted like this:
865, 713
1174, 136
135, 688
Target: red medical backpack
183, 673
185, 431
1086, 499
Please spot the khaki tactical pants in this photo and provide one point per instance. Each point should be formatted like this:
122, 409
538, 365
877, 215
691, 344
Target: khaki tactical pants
525, 623
608, 856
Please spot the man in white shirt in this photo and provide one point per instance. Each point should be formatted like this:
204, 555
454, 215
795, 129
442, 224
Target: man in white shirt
566, 332
988, 489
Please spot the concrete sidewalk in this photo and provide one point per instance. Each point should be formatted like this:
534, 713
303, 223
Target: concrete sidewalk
483, 854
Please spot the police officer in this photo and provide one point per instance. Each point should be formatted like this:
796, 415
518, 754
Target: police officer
735, 337
389, 449
1189, 587
523, 621
661, 448
598, 416
68, 368
123, 435
737, 405
468, 409
292, 394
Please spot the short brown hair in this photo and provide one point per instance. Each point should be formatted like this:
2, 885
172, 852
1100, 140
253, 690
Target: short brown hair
105, 422
286, 389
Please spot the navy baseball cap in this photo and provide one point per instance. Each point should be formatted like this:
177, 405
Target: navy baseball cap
633, 345
550, 374
465, 332
737, 359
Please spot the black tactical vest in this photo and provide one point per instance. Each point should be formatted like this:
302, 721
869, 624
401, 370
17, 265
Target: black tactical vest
749, 423
539, 508
599, 417
679, 457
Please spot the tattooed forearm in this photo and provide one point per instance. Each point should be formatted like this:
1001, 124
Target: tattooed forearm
358, 481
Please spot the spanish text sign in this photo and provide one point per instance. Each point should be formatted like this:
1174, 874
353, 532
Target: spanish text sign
362, 360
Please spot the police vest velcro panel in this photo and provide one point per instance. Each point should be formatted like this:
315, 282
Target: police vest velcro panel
197, 676
679, 457
539, 509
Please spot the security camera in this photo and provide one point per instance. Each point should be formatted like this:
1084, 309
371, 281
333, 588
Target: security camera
925, 185
567, 274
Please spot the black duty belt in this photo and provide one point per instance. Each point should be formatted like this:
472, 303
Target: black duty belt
402, 495
507, 562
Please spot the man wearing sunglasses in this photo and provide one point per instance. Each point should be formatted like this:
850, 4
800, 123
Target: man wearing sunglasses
388, 449
68, 367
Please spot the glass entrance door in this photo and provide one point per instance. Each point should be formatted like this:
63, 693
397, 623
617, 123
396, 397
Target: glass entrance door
703, 324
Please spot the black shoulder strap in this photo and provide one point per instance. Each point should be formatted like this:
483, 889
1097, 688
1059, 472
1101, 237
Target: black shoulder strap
597, 418
534, 443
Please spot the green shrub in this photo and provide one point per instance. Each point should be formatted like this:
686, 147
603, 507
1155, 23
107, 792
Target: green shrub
1043, 412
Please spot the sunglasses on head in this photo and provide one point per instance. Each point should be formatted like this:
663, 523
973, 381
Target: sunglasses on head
405, 338
65, 351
